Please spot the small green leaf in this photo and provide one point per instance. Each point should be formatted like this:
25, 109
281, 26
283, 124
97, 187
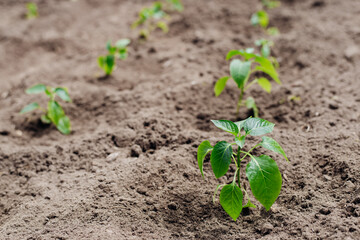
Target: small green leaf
240, 141
231, 200
63, 94
227, 126
239, 71
247, 54
220, 158
240, 124
265, 179
265, 50
220, 85
260, 18
122, 54
249, 204
55, 112
45, 119
30, 107
258, 126
265, 84
203, 149
122, 43
39, 88
64, 125
271, 144
267, 67
163, 26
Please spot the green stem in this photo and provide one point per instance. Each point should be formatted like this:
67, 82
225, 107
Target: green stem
239, 102
236, 173
238, 165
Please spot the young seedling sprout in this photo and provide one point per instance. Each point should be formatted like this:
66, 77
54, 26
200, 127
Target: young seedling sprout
265, 50
261, 18
32, 10
107, 63
241, 71
54, 113
155, 16
261, 171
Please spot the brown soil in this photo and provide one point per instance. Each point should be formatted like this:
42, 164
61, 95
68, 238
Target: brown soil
155, 110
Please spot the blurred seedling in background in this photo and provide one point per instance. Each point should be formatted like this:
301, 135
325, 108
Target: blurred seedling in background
261, 18
107, 63
241, 71
265, 49
32, 10
270, 4
156, 16
261, 171
53, 113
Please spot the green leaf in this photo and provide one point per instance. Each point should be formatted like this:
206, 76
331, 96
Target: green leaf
271, 144
203, 149
260, 18
231, 200
258, 126
39, 88
163, 26
30, 107
55, 112
267, 67
265, 179
122, 43
220, 85
45, 119
220, 158
63, 94
240, 124
247, 54
239, 71
227, 126
240, 141
122, 54
265, 50
265, 84
64, 125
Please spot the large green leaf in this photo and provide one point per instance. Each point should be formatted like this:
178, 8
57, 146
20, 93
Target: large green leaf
231, 200
220, 85
239, 71
265, 84
227, 126
265, 179
271, 144
267, 67
39, 88
63, 94
64, 125
258, 126
203, 149
30, 107
220, 158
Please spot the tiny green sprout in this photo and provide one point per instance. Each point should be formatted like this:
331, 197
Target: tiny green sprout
260, 18
175, 5
241, 71
270, 3
261, 171
151, 18
54, 113
266, 50
32, 10
273, 31
107, 63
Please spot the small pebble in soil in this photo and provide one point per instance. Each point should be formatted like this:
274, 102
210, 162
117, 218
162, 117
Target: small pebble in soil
142, 191
266, 228
333, 106
325, 211
135, 151
172, 206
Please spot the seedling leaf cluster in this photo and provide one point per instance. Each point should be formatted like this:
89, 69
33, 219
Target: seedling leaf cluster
32, 10
262, 171
119, 50
156, 16
53, 113
242, 70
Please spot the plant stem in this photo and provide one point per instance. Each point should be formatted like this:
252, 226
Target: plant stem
239, 102
238, 165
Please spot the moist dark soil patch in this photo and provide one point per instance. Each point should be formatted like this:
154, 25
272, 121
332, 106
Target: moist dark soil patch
129, 169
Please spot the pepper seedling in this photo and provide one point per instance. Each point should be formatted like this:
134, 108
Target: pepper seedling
54, 113
270, 4
241, 71
261, 18
107, 63
266, 50
32, 10
261, 171
156, 16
